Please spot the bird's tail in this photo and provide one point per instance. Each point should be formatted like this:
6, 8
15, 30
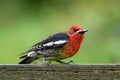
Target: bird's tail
28, 60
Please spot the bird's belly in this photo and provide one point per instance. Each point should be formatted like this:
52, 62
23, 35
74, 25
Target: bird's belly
52, 55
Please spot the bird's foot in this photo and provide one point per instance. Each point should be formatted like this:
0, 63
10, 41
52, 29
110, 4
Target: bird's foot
46, 63
42, 63
70, 62
65, 62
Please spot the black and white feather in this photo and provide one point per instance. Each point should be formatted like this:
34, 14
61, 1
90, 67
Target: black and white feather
54, 41
45, 48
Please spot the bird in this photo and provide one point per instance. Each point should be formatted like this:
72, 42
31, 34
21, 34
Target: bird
56, 47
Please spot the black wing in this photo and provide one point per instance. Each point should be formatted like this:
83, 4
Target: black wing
54, 41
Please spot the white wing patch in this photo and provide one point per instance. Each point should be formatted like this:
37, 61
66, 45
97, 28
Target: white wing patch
55, 43
60, 42
48, 44
31, 54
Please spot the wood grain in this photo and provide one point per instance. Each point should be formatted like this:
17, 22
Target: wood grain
60, 72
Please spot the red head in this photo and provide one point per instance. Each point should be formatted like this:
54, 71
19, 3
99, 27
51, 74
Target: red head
75, 29
76, 34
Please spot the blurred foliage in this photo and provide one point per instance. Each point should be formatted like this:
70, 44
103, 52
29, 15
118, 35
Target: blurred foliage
26, 22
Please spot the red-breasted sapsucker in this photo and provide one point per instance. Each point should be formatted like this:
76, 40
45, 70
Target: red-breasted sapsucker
56, 47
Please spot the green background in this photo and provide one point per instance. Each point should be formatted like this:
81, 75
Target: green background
26, 22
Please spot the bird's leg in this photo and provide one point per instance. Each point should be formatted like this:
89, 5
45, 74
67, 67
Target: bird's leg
71, 61
61, 62
65, 62
43, 59
44, 62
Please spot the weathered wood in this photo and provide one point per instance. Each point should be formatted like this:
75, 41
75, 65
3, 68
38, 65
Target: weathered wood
60, 72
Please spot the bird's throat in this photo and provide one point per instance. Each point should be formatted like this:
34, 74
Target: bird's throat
72, 48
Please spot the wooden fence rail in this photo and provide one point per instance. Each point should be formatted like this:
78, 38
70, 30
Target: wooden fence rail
60, 72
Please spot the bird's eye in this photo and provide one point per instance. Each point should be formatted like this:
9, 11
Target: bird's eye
75, 30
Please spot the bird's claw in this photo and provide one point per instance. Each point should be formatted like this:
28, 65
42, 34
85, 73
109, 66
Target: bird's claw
65, 62
71, 61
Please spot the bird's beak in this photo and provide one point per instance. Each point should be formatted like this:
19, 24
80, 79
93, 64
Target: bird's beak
82, 31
